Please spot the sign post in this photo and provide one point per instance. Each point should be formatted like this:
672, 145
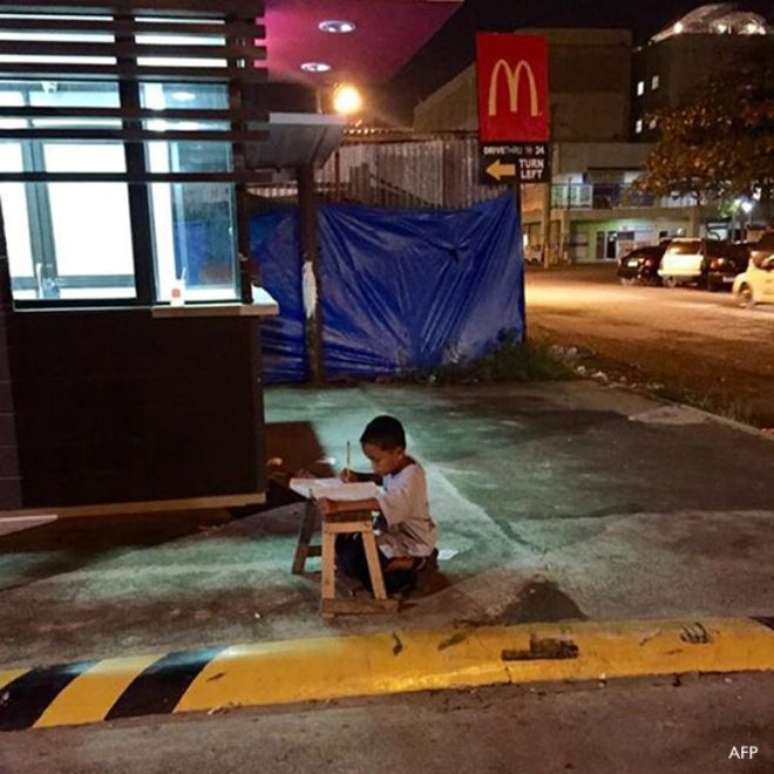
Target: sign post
513, 109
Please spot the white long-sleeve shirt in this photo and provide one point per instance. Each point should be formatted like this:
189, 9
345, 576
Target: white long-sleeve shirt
404, 504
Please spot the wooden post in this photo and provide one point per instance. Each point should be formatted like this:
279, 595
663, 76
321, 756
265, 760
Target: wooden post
516, 189
310, 256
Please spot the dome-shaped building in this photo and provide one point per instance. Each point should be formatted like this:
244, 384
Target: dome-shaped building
707, 43
718, 19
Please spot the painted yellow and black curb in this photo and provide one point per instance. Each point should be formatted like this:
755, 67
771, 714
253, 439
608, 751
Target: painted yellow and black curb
316, 669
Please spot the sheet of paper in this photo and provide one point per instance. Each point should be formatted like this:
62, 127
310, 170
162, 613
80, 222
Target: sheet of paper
333, 489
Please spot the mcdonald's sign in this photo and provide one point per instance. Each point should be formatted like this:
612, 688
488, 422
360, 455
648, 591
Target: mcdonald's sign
512, 88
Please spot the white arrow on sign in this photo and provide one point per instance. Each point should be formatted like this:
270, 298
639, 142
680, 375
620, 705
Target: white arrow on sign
498, 170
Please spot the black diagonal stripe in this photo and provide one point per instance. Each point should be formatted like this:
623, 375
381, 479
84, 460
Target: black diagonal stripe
161, 686
24, 700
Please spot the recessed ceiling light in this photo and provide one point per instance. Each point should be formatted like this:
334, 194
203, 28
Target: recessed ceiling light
183, 96
315, 67
337, 26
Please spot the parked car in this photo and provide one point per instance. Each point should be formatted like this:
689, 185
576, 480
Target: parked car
641, 265
712, 263
756, 284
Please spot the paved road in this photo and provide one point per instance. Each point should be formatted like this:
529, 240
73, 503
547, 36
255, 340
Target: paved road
627, 727
700, 344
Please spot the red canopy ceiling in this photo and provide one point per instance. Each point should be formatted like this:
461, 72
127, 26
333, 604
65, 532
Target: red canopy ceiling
388, 34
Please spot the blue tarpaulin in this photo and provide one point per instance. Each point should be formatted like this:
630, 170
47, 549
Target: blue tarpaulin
400, 289
275, 248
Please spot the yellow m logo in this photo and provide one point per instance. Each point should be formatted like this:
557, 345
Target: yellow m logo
512, 79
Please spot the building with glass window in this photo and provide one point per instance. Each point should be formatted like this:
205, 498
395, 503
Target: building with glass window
603, 93
594, 158
131, 136
678, 62
66, 146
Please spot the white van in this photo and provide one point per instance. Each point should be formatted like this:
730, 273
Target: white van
712, 263
683, 262
756, 285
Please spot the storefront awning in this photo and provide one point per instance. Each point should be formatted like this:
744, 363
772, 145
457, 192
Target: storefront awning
295, 139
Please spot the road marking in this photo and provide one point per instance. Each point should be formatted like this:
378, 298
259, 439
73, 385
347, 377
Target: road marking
9, 677
27, 697
89, 700
367, 665
159, 687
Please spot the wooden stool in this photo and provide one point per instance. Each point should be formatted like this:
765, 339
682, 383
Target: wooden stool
342, 524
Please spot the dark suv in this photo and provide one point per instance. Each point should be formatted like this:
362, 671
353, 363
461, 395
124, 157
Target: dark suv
641, 265
725, 263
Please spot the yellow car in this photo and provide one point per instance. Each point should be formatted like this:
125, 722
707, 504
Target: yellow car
756, 285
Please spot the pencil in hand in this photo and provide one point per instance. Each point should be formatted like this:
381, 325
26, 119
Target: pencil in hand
347, 476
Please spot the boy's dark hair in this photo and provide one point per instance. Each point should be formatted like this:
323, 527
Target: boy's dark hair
385, 432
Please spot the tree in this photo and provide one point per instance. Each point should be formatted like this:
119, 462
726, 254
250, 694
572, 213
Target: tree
721, 144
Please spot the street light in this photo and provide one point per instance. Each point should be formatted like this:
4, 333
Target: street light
745, 206
347, 100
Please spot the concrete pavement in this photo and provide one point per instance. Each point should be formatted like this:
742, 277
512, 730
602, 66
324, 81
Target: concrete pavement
556, 502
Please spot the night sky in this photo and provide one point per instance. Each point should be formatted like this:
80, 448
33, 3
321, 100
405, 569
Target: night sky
452, 48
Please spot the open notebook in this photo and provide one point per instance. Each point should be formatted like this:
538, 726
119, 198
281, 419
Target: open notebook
333, 489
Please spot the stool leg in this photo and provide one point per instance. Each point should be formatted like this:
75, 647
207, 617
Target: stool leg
304, 536
374, 568
328, 590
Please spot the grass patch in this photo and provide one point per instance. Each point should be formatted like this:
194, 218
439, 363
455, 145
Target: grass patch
510, 361
720, 403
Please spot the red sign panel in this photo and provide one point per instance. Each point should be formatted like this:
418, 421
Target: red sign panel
512, 88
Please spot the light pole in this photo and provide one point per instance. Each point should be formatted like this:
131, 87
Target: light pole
747, 208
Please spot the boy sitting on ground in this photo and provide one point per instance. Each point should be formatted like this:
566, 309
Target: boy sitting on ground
406, 534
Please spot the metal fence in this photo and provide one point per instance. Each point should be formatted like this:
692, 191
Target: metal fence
401, 169
436, 173
398, 171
